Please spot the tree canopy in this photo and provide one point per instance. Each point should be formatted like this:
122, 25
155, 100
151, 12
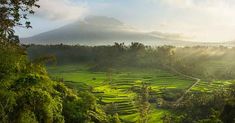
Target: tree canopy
15, 13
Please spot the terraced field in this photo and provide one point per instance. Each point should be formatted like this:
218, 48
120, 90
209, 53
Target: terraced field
210, 86
114, 90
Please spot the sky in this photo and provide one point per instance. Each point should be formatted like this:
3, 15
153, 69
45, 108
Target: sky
196, 20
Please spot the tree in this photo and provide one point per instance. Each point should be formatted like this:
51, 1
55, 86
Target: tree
6, 104
15, 13
27, 94
135, 46
116, 118
144, 103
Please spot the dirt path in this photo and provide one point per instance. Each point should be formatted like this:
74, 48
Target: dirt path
197, 80
182, 97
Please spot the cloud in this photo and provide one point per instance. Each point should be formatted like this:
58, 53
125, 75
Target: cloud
210, 20
61, 10
170, 36
209, 6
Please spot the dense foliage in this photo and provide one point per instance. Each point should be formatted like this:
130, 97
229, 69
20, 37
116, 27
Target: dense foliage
28, 95
208, 63
203, 62
105, 57
144, 103
15, 13
216, 107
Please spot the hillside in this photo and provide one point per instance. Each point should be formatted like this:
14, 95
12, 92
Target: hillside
99, 30
92, 31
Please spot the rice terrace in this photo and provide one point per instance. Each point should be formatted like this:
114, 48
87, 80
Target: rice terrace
117, 61
116, 89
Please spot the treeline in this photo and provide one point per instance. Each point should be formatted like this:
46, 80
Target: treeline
103, 57
204, 62
208, 63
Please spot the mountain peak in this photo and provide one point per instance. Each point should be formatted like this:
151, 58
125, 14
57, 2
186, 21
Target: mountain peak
103, 20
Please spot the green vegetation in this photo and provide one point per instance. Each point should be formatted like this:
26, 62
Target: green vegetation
121, 91
209, 87
216, 107
89, 92
119, 95
15, 13
207, 63
27, 93
116, 82
110, 84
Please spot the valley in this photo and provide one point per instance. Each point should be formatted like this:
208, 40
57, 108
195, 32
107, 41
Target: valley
115, 90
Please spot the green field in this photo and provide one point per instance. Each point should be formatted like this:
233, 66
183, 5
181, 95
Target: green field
113, 88
208, 87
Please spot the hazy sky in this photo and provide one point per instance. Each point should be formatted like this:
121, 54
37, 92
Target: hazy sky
198, 20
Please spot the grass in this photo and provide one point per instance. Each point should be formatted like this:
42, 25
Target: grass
114, 88
208, 87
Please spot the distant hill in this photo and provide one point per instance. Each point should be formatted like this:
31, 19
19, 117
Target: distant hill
92, 31
100, 30
95, 30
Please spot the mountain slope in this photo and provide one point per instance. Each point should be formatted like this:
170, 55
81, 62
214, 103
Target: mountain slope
92, 31
99, 30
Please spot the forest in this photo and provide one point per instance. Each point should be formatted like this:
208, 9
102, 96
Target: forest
116, 83
208, 63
